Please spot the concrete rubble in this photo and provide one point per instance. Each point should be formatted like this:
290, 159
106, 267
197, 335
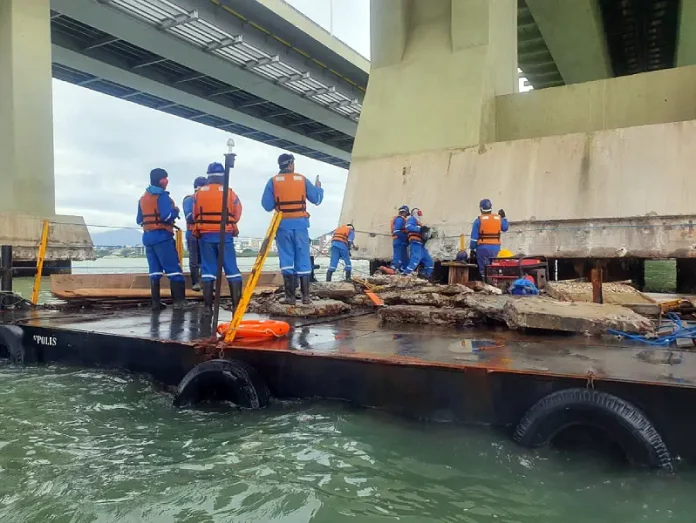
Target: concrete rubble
413, 300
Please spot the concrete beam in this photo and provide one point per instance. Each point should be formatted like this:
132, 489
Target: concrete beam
115, 74
26, 111
574, 34
118, 24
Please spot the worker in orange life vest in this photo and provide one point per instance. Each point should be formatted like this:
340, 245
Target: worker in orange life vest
419, 254
194, 250
289, 193
156, 214
207, 214
400, 239
485, 235
341, 244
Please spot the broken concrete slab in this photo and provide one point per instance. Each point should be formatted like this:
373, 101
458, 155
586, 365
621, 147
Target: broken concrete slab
428, 315
534, 312
491, 307
479, 286
399, 282
318, 309
415, 298
615, 293
338, 290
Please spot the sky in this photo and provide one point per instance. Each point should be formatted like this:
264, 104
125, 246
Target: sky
105, 147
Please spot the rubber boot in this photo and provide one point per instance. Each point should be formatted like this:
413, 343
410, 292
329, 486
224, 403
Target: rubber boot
328, 275
349, 275
208, 293
304, 289
195, 280
178, 294
235, 293
157, 304
290, 282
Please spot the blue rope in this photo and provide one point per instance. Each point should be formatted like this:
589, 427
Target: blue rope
680, 332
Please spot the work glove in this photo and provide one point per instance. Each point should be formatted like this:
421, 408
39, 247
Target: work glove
501, 213
424, 229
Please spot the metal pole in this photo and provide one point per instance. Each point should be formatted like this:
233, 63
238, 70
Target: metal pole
6, 254
229, 164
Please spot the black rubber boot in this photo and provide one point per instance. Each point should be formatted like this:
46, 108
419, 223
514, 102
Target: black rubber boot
349, 275
157, 304
290, 282
195, 280
235, 293
304, 288
178, 294
208, 293
329, 274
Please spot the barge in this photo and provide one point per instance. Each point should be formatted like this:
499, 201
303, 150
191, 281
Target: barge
536, 387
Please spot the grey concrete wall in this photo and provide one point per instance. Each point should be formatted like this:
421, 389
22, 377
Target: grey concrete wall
620, 173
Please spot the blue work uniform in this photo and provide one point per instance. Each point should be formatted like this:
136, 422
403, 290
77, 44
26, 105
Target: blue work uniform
192, 243
292, 237
341, 251
210, 235
399, 243
160, 247
485, 252
419, 254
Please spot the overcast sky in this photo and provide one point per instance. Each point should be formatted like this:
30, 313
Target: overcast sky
105, 147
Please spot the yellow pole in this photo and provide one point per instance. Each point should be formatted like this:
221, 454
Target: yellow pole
180, 246
461, 242
40, 264
253, 278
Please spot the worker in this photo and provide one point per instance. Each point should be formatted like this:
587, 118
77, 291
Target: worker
207, 214
289, 193
341, 245
485, 235
417, 233
156, 214
400, 239
192, 245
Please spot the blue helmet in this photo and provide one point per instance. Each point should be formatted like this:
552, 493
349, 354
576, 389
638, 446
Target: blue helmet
215, 168
404, 208
200, 182
486, 205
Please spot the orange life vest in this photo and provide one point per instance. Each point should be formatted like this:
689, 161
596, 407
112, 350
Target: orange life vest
207, 209
290, 193
150, 211
490, 226
341, 234
415, 236
403, 229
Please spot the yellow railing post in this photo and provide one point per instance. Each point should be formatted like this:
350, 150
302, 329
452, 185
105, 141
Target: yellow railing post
462, 244
180, 246
40, 263
253, 278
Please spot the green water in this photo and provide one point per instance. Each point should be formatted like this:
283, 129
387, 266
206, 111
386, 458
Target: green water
84, 446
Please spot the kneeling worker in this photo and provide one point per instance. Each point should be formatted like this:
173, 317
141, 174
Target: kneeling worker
156, 214
419, 254
207, 213
341, 244
289, 193
191, 241
485, 235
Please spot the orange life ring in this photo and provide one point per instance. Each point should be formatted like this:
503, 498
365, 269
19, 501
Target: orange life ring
258, 329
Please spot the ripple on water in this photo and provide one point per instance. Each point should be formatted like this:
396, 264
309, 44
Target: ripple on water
84, 446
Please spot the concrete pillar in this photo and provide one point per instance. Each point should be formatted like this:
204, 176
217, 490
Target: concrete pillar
436, 69
26, 115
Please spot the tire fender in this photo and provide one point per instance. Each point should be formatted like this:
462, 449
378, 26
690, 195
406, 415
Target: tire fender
230, 380
11, 337
624, 422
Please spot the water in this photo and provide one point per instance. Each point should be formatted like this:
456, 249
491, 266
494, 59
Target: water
84, 446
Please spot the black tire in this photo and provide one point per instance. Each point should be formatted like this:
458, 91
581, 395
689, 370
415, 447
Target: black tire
223, 380
625, 423
11, 345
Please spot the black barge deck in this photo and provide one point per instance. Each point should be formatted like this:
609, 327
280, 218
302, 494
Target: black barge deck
466, 375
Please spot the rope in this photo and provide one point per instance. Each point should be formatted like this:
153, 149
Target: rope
680, 332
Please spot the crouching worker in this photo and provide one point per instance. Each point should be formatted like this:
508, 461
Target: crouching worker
419, 254
341, 244
207, 214
156, 214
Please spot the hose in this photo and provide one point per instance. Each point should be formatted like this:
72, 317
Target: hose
680, 332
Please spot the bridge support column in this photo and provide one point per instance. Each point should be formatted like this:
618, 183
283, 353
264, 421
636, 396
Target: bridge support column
26, 113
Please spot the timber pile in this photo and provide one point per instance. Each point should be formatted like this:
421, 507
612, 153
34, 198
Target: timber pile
412, 300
